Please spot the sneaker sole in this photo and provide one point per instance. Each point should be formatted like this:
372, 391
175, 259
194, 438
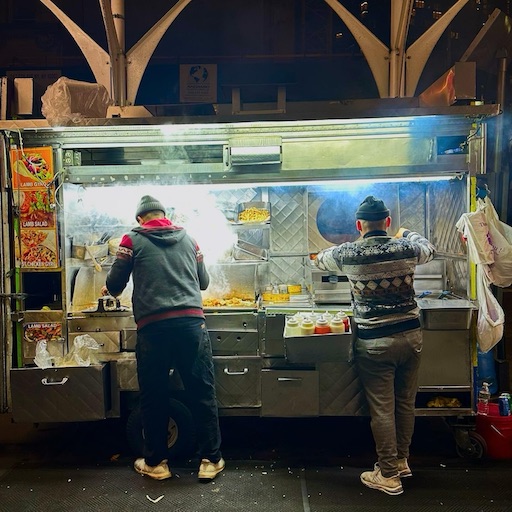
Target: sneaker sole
154, 477
405, 474
391, 492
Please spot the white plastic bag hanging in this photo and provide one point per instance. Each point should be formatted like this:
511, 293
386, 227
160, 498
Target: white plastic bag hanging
489, 242
500, 237
491, 317
473, 227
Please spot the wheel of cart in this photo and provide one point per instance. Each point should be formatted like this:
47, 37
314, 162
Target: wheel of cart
469, 444
181, 431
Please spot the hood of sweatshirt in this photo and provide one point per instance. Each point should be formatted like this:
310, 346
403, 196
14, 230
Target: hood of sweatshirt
161, 232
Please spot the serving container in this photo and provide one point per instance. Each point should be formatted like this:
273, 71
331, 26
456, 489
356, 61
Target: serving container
261, 207
446, 314
246, 251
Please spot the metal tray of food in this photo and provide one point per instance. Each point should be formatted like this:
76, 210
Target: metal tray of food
255, 212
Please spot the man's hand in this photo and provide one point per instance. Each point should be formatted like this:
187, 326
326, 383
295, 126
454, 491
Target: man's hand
104, 290
400, 232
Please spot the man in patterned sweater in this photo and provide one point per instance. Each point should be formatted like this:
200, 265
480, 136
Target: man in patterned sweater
388, 339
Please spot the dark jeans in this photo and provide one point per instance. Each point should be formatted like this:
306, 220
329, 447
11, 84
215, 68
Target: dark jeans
183, 344
388, 369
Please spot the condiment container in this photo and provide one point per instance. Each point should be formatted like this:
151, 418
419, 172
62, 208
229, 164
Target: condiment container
328, 316
345, 320
307, 327
292, 327
337, 324
322, 326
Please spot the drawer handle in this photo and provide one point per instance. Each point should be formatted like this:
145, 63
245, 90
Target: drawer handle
288, 379
243, 372
47, 382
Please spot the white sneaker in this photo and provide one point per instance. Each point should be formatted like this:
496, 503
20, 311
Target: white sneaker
159, 472
403, 468
375, 480
209, 470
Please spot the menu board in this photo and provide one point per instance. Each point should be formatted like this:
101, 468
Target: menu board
36, 242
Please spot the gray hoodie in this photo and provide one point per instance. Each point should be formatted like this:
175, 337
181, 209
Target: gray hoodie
167, 269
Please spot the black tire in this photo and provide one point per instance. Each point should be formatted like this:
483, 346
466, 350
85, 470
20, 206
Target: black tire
181, 433
477, 448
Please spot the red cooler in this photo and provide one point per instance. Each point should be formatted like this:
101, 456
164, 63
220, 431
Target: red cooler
497, 432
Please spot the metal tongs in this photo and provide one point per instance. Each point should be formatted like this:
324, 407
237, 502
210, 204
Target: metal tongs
447, 294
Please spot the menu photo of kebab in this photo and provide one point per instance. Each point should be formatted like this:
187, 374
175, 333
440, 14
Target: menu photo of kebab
36, 208
37, 331
38, 248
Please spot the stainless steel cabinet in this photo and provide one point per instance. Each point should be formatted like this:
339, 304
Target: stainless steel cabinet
238, 381
289, 393
64, 394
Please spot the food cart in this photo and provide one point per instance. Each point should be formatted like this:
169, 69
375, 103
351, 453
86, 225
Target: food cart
68, 195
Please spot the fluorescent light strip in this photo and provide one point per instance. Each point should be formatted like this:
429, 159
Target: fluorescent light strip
352, 183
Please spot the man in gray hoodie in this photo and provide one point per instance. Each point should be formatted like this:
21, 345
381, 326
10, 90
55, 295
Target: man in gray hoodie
168, 274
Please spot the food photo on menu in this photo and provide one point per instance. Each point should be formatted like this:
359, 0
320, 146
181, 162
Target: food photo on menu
37, 248
35, 208
33, 166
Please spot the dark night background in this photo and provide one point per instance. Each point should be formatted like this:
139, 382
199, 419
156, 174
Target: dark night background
301, 43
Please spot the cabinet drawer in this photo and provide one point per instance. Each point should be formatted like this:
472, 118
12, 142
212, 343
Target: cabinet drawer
289, 393
63, 394
234, 343
109, 341
238, 381
232, 321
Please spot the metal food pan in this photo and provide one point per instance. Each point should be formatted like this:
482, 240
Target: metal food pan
246, 251
446, 314
446, 319
259, 205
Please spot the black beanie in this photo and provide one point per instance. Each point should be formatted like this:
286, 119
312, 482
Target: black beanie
372, 209
148, 204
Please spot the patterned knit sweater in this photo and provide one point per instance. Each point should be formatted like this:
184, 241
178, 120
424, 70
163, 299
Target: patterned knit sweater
380, 270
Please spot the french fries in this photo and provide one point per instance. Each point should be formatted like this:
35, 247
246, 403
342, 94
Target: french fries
254, 214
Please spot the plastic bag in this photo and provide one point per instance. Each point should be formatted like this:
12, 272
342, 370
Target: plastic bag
67, 102
489, 327
82, 353
500, 235
43, 358
475, 230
